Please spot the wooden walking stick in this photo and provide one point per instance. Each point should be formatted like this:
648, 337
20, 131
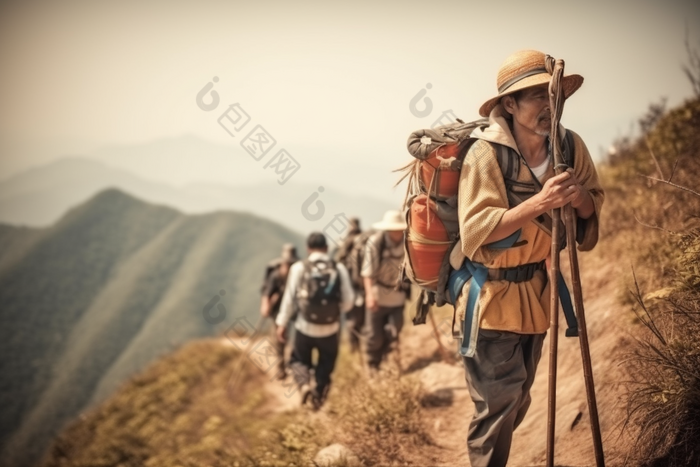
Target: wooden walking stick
556, 99
553, 334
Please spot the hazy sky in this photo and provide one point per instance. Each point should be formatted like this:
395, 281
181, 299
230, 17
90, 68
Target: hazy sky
330, 81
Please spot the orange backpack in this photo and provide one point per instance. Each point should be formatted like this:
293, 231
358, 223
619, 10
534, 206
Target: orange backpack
431, 199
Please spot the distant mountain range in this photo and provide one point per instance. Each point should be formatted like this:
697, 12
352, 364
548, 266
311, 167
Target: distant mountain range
40, 196
113, 284
347, 167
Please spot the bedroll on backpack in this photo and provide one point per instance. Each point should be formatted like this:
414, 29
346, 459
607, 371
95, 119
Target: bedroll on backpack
431, 199
439, 153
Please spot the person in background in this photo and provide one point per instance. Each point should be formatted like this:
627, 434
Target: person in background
272, 292
385, 294
320, 290
350, 254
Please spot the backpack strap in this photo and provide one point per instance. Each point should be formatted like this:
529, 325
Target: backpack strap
380, 243
509, 162
568, 307
308, 267
569, 153
335, 277
303, 281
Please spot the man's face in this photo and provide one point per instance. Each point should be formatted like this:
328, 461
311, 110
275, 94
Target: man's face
395, 235
531, 110
284, 269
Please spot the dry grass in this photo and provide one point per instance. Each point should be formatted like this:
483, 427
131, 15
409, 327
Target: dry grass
381, 419
652, 190
664, 402
181, 412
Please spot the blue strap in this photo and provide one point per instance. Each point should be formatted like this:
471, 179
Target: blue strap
456, 282
331, 284
458, 278
569, 315
478, 273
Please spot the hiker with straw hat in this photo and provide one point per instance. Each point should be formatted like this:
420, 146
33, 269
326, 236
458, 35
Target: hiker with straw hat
510, 309
385, 293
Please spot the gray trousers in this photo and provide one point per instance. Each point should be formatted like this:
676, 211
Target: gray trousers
383, 328
499, 378
355, 321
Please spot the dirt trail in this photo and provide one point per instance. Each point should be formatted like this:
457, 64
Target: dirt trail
448, 407
281, 395
449, 415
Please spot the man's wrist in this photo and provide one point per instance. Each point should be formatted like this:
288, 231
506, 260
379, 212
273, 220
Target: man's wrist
533, 208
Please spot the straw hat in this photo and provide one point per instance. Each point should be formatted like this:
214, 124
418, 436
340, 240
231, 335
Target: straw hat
525, 69
392, 220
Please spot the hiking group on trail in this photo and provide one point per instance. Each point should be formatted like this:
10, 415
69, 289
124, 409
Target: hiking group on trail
361, 282
482, 203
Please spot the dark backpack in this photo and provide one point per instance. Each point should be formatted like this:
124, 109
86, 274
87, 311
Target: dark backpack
342, 253
271, 267
318, 295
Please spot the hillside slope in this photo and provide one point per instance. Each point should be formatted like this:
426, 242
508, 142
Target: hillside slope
115, 283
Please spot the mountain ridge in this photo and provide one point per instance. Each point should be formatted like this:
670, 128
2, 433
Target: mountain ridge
40, 196
113, 284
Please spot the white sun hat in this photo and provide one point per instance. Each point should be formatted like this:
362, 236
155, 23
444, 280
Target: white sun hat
392, 220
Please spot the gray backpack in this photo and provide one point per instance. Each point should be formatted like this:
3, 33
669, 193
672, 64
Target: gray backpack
318, 296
